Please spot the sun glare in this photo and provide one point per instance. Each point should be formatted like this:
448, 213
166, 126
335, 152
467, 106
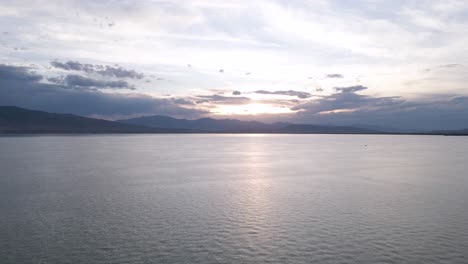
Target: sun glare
251, 109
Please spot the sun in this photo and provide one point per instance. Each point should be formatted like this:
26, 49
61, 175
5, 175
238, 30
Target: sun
250, 109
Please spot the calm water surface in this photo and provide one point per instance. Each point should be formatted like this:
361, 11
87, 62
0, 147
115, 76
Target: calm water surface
233, 199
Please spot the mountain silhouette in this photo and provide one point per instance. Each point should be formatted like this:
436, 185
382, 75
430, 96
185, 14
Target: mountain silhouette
19, 120
238, 126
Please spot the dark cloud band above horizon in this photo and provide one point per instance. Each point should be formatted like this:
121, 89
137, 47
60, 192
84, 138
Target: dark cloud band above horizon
21, 86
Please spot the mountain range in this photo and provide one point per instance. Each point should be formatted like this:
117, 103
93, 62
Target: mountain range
14, 120
237, 126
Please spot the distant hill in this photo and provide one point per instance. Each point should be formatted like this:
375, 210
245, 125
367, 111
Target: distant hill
462, 132
205, 124
319, 129
386, 128
238, 126
20, 120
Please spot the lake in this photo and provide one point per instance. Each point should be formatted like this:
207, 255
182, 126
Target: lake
233, 199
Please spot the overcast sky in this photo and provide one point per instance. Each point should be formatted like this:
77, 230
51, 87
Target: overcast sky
399, 64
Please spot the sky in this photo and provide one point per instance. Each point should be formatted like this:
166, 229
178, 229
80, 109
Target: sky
393, 64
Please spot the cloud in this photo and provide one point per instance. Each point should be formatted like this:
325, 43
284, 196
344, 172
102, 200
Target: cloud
323, 37
350, 108
72, 66
454, 65
182, 101
334, 76
22, 88
350, 89
236, 93
77, 80
18, 73
120, 72
299, 94
104, 70
396, 113
345, 102
219, 99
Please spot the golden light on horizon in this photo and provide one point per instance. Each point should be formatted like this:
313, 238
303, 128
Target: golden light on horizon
251, 109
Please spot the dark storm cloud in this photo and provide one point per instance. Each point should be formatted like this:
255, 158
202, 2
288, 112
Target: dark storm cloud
334, 76
351, 89
299, 94
18, 73
77, 80
19, 87
104, 70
